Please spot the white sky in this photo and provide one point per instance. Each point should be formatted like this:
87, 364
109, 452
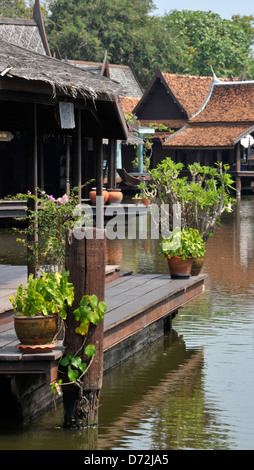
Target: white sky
225, 8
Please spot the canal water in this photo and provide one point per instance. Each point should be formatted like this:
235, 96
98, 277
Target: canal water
194, 388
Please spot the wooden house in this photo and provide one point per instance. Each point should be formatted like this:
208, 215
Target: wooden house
218, 130
49, 109
166, 105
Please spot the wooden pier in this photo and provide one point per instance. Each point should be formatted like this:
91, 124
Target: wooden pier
140, 307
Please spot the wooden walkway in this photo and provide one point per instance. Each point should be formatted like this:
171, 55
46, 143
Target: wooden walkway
134, 302
139, 307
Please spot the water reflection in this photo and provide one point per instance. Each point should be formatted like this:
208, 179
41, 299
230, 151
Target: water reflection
192, 389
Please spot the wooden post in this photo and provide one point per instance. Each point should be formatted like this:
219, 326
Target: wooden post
32, 176
99, 181
85, 259
68, 143
76, 157
112, 164
238, 169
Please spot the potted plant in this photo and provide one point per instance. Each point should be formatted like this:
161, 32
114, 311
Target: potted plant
137, 198
181, 248
39, 306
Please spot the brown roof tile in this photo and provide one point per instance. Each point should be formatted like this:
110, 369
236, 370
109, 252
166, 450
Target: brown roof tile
128, 104
217, 135
189, 90
229, 103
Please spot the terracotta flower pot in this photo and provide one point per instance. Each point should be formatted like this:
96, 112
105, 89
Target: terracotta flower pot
93, 194
36, 330
115, 196
197, 266
146, 201
179, 268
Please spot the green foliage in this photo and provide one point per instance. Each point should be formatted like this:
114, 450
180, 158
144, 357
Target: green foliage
44, 295
207, 38
83, 30
75, 366
203, 199
54, 217
179, 42
90, 311
14, 8
184, 243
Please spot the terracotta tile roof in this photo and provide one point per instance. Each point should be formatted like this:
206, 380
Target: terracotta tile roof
189, 90
229, 103
128, 103
225, 117
217, 135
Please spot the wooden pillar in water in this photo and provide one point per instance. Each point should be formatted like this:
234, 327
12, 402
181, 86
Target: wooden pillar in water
85, 259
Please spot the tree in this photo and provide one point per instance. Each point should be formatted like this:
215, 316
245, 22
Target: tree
13, 8
20, 8
84, 30
210, 39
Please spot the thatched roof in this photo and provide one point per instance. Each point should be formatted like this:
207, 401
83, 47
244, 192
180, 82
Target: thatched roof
62, 77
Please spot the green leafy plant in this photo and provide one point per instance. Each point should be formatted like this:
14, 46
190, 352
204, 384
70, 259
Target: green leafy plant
44, 295
90, 311
75, 366
202, 199
183, 243
45, 240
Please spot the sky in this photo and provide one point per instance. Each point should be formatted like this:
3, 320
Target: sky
225, 8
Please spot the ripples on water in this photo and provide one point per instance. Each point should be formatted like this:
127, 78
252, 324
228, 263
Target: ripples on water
192, 389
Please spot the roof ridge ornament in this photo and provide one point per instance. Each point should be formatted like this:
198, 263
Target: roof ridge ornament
215, 78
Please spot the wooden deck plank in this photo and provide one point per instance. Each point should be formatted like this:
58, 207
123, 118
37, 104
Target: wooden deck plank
154, 292
133, 302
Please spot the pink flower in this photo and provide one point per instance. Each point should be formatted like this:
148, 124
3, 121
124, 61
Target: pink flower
29, 192
43, 192
64, 199
52, 198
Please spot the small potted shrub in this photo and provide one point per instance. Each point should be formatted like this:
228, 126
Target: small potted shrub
39, 305
181, 248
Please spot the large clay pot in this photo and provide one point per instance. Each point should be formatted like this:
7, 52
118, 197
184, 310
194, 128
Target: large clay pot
36, 330
197, 266
93, 194
115, 196
179, 268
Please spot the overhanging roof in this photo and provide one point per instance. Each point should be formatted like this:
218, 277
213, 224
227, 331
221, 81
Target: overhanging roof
210, 136
29, 76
